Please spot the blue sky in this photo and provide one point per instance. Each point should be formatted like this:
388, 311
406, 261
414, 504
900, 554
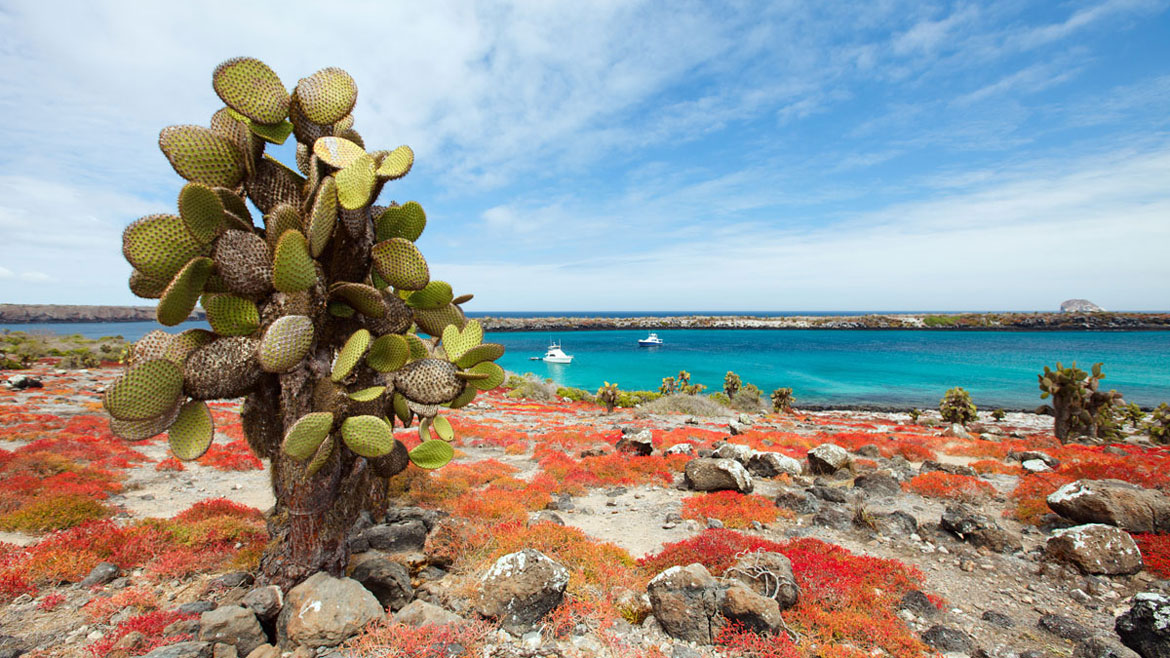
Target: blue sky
645, 155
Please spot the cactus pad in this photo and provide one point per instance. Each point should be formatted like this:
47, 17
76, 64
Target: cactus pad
479, 354
337, 152
179, 299
146, 287
406, 221
401, 264
274, 184
464, 398
159, 246
350, 354
428, 381
368, 436
355, 183
432, 454
182, 344
462, 299
229, 315
495, 376
147, 390
224, 368
436, 294
202, 155
243, 262
249, 87
458, 341
327, 96
150, 347
234, 205
292, 268
321, 457
443, 428
366, 299
285, 343
137, 430
388, 353
323, 217
282, 218
396, 163
305, 436
367, 394
192, 432
201, 210
418, 348
276, 133
341, 310
435, 321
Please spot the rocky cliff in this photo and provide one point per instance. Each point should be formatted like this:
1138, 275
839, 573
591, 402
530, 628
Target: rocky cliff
25, 313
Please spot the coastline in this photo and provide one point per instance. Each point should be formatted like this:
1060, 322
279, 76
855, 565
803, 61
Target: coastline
1012, 321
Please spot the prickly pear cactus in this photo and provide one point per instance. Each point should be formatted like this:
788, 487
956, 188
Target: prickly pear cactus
782, 400
609, 396
1078, 407
316, 306
1158, 426
956, 406
731, 384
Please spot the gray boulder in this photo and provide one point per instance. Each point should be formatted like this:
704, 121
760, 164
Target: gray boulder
827, 458
325, 611
1079, 306
1096, 548
265, 602
770, 464
636, 443
400, 537
978, 529
386, 579
234, 625
1113, 502
769, 574
421, 613
686, 601
743, 605
1103, 647
1145, 627
714, 474
739, 453
520, 589
183, 650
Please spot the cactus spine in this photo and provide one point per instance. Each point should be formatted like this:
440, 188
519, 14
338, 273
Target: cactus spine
314, 312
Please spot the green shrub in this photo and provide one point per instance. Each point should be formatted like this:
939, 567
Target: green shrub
999, 414
914, 415
692, 405
720, 398
956, 406
940, 320
574, 394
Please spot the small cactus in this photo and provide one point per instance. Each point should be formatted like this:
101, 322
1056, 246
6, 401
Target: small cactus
668, 386
731, 384
1133, 414
956, 407
1078, 407
914, 415
782, 400
609, 396
1158, 426
999, 415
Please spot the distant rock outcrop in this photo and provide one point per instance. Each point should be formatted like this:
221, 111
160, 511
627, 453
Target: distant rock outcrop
1079, 306
22, 313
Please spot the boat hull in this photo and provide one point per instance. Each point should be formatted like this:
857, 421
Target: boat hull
558, 359
653, 343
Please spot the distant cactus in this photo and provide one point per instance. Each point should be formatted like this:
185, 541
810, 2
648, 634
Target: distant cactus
668, 386
1133, 414
782, 400
731, 384
684, 379
999, 414
956, 407
1078, 407
609, 396
914, 415
1158, 427
313, 315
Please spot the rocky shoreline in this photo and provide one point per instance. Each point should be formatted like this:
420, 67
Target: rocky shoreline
1098, 321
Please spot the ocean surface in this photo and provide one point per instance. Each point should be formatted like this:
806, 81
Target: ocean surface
889, 367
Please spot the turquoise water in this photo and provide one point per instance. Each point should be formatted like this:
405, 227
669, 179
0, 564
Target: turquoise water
898, 368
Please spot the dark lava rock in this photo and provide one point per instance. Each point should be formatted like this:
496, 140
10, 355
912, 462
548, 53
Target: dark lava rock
918, 603
103, 573
947, 639
998, 619
1064, 627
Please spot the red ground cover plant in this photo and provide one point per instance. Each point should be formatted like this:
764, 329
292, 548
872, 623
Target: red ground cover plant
151, 625
1155, 552
734, 509
50, 602
100, 609
576, 476
234, 456
995, 466
170, 464
949, 486
385, 639
592, 564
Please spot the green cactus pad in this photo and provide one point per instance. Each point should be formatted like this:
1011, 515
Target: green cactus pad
321, 457
428, 381
249, 87
353, 136
202, 155
307, 131
346, 123
179, 299
355, 183
462, 299
464, 398
274, 184
350, 354
406, 221
185, 342
367, 394
305, 436
146, 287
436, 294
433, 322
229, 315
388, 353
276, 133
243, 262
146, 390
327, 96
341, 310
285, 343
366, 299
396, 164
323, 218
137, 430
150, 347
159, 246
469, 376
337, 152
368, 436
479, 354
234, 126
192, 432
292, 268
201, 210
495, 376
401, 410
458, 341
443, 428
224, 368
418, 348
282, 218
400, 263
233, 204
432, 454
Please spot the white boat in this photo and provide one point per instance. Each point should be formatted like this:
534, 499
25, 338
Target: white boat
650, 341
556, 355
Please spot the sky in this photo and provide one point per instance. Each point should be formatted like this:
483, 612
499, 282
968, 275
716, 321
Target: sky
657, 156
